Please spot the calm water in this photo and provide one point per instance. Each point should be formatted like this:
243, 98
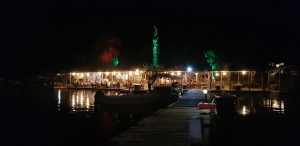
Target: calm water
269, 119
258, 104
39, 116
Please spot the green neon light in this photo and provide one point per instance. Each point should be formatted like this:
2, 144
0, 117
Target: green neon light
115, 61
155, 47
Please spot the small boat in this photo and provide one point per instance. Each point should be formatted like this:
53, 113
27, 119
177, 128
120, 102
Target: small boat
158, 95
204, 105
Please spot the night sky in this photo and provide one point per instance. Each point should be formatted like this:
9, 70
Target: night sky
55, 36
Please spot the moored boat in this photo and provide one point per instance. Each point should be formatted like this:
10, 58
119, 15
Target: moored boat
161, 95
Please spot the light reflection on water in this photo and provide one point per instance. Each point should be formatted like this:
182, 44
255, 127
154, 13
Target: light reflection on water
75, 100
260, 104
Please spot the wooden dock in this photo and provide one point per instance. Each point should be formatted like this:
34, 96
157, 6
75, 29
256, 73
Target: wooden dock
168, 127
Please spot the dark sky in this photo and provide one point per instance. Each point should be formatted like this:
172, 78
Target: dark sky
55, 35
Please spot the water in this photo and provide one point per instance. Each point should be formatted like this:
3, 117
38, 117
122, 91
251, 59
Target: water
39, 116
262, 119
258, 104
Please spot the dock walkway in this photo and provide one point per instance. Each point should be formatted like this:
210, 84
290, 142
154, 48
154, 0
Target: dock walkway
168, 127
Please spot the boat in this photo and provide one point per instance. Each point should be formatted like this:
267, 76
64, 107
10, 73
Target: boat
162, 95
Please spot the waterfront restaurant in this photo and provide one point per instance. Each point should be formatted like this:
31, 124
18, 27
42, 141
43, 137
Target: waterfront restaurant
277, 79
126, 79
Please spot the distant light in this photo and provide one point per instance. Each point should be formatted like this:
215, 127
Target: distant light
172, 73
279, 64
224, 73
217, 74
73, 74
189, 69
113, 72
178, 73
243, 72
205, 91
87, 74
130, 73
137, 71
106, 73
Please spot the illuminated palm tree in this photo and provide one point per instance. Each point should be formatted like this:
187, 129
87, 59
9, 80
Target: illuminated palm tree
212, 59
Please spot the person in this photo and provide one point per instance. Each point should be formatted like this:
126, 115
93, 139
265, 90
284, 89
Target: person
118, 85
130, 85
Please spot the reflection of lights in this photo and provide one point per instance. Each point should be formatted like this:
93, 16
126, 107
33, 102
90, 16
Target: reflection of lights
224, 73
81, 100
117, 94
217, 74
275, 104
59, 97
87, 103
73, 101
172, 73
243, 72
178, 73
244, 110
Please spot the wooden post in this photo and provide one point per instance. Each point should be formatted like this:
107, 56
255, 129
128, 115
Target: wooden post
279, 80
221, 80
262, 81
210, 78
269, 80
70, 78
238, 77
249, 80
